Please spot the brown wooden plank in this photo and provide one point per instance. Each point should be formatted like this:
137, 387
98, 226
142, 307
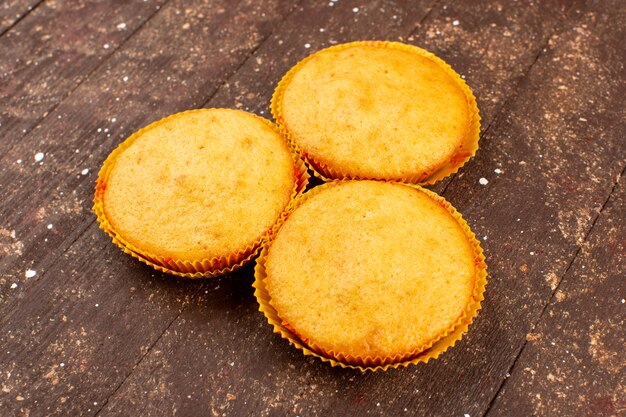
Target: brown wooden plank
12, 11
225, 360
21, 315
573, 363
258, 361
53, 50
71, 343
559, 150
174, 62
156, 73
494, 69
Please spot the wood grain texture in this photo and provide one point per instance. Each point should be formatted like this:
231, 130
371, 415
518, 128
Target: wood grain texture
69, 343
12, 11
136, 86
284, 382
99, 318
573, 361
95, 332
504, 41
52, 50
558, 153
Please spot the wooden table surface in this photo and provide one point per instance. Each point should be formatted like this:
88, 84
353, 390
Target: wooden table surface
86, 330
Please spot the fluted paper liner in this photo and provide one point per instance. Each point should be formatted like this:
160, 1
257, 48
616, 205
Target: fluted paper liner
327, 173
210, 267
424, 353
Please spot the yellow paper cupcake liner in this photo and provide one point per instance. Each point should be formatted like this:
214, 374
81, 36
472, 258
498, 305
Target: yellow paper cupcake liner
424, 353
210, 267
327, 173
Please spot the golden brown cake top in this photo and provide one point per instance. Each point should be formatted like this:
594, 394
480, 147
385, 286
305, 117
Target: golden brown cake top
199, 184
378, 112
370, 269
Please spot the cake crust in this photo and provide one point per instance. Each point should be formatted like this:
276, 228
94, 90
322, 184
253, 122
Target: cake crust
199, 185
367, 269
374, 112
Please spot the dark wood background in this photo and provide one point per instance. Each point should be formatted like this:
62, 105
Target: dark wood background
94, 332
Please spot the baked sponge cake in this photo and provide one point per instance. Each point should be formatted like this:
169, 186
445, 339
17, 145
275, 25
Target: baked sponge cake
371, 274
195, 194
378, 110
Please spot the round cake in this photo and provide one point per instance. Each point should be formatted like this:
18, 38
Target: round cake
378, 110
371, 273
197, 192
